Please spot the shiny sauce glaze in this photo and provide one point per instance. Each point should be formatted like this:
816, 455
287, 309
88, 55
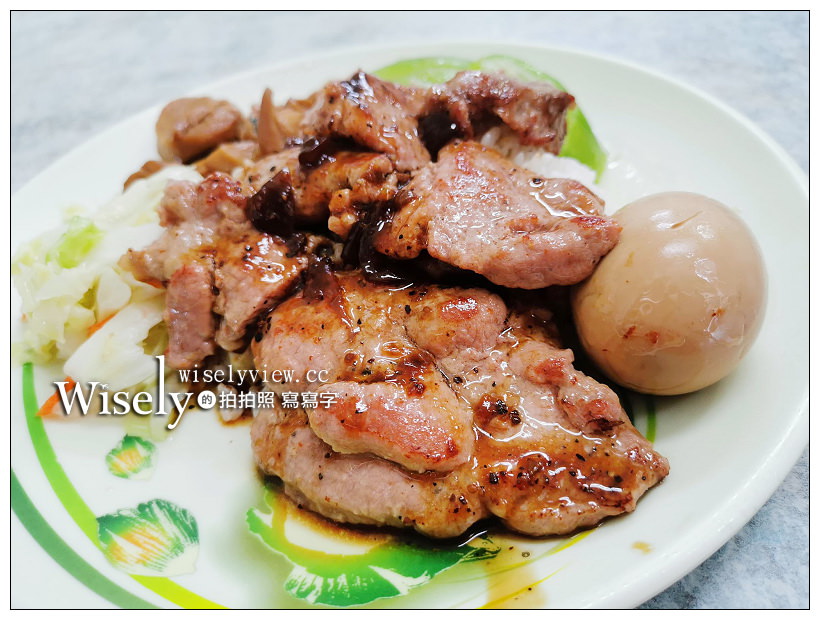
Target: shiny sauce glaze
549, 450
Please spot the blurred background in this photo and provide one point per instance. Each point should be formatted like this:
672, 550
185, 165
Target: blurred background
75, 74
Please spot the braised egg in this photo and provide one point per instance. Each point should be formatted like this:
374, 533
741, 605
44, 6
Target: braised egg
678, 302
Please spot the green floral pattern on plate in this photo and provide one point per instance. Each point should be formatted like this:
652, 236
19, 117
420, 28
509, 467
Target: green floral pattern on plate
132, 458
389, 568
157, 538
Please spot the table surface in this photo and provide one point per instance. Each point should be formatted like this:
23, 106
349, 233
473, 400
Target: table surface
75, 74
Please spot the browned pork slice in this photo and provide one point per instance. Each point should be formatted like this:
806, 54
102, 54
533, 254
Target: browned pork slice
556, 450
361, 488
552, 450
409, 124
391, 399
334, 183
252, 273
475, 101
477, 210
188, 315
195, 217
208, 237
378, 115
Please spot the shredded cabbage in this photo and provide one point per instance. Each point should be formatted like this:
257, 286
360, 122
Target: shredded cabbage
69, 280
75, 243
119, 344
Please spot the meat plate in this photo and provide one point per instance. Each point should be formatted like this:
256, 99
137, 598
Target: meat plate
199, 528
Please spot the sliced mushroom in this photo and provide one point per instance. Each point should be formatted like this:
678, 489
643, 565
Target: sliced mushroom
227, 157
152, 166
271, 135
190, 127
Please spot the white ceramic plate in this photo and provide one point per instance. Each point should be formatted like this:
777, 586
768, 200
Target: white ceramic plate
729, 446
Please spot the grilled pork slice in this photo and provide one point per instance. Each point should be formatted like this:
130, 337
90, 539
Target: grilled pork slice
252, 272
212, 260
362, 488
556, 451
478, 211
392, 400
475, 101
332, 184
189, 316
378, 115
539, 444
411, 124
